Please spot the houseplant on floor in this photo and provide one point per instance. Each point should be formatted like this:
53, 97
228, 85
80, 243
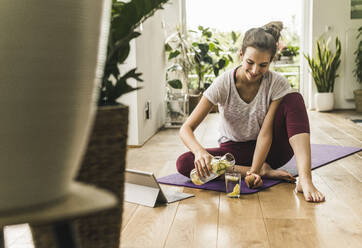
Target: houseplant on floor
180, 61
324, 72
104, 161
178, 69
176, 102
208, 57
358, 72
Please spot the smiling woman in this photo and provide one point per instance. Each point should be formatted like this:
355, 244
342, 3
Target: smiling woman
262, 123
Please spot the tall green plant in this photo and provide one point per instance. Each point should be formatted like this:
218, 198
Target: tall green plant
324, 67
208, 55
178, 51
358, 60
232, 41
125, 18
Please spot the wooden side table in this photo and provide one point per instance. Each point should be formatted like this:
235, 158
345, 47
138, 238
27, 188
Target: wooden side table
82, 200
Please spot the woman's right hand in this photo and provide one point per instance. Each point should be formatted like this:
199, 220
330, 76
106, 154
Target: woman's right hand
253, 180
203, 163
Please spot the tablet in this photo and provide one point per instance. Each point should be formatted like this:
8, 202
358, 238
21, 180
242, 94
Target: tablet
141, 187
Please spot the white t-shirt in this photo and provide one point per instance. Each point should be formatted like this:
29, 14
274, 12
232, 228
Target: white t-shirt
241, 121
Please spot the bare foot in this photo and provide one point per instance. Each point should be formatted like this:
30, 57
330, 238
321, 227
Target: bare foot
310, 192
268, 172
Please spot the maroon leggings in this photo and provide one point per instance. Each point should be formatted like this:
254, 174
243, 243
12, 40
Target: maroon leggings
290, 119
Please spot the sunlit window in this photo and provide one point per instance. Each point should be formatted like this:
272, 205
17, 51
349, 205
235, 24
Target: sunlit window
227, 16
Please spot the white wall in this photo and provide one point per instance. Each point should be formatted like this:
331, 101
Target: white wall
306, 48
151, 62
130, 99
332, 18
147, 54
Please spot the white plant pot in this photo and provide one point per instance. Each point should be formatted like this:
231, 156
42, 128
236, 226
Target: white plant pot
324, 101
52, 56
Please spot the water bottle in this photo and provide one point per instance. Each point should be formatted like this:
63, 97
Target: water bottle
219, 164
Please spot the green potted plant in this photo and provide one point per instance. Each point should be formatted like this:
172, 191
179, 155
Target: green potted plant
208, 57
324, 72
232, 40
358, 72
287, 54
180, 64
178, 55
104, 161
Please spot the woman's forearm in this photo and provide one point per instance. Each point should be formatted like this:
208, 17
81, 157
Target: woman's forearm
188, 138
264, 139
262, 148
187, 129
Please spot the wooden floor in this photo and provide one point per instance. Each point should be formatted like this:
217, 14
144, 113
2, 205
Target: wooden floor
276, 217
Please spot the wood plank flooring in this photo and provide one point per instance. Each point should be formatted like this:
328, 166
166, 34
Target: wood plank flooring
276, 217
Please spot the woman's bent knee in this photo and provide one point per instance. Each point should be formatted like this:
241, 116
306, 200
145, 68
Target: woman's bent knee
293, 99
185, 163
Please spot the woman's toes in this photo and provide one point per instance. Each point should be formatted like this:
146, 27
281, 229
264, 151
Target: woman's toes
314, 197
308, 197
321, 197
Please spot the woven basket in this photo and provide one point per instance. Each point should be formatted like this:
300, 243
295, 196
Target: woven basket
358, 100
103, 165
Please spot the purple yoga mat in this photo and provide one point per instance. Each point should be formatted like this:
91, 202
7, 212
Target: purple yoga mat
321, 155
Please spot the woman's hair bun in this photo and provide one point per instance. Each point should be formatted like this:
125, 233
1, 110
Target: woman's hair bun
274, 28
265, 38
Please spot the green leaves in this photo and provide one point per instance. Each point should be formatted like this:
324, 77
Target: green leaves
289, 51
200, 55
173, 54
212, 47
205, 31
111, 91
324, 67
208, 55
222, 63
168, 48
204, 48
176, 83
125, 18
178, 54
234, 36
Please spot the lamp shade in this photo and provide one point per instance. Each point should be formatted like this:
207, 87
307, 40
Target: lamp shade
52, 58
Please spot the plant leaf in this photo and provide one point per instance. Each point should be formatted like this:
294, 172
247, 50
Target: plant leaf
168, 48
324, 67
173, 54
175, 83
125, 17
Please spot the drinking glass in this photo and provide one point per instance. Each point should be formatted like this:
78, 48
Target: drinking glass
232, 184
